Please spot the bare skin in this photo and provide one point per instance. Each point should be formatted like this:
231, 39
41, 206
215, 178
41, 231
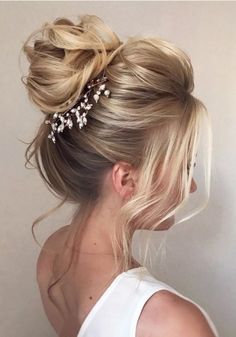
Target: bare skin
164, 314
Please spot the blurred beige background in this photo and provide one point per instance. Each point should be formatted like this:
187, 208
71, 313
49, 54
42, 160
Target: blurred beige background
201, 252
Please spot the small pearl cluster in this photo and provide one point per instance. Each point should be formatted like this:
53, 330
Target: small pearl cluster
80, 110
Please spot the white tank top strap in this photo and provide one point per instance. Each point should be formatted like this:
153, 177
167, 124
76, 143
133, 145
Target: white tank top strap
152, 286
117, 311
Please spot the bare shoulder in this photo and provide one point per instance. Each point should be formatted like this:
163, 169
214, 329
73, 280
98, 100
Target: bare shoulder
48, 252
167, 314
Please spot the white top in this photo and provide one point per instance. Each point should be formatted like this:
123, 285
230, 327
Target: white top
117, 311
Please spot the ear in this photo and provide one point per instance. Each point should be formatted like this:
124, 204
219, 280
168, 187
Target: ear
124, 179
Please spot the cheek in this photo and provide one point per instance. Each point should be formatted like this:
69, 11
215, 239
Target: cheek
166, 224
193, 186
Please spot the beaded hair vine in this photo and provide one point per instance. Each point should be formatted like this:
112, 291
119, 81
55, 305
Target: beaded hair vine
62, 120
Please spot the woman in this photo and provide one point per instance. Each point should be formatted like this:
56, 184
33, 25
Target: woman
119, 141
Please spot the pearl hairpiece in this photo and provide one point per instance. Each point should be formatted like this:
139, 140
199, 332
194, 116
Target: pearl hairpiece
80, 109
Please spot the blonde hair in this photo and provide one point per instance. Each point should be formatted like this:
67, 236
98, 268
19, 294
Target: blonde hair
151, 120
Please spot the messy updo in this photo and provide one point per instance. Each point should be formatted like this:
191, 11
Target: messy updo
151, 120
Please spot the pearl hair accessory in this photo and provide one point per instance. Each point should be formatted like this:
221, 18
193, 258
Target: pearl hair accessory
80, 109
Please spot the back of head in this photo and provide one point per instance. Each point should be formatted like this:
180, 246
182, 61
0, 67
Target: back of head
151, 120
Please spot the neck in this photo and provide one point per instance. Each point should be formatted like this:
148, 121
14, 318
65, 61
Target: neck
95, 241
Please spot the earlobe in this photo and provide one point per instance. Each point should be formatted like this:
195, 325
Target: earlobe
128, 188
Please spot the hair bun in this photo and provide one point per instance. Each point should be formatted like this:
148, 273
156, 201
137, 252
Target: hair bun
64, 58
